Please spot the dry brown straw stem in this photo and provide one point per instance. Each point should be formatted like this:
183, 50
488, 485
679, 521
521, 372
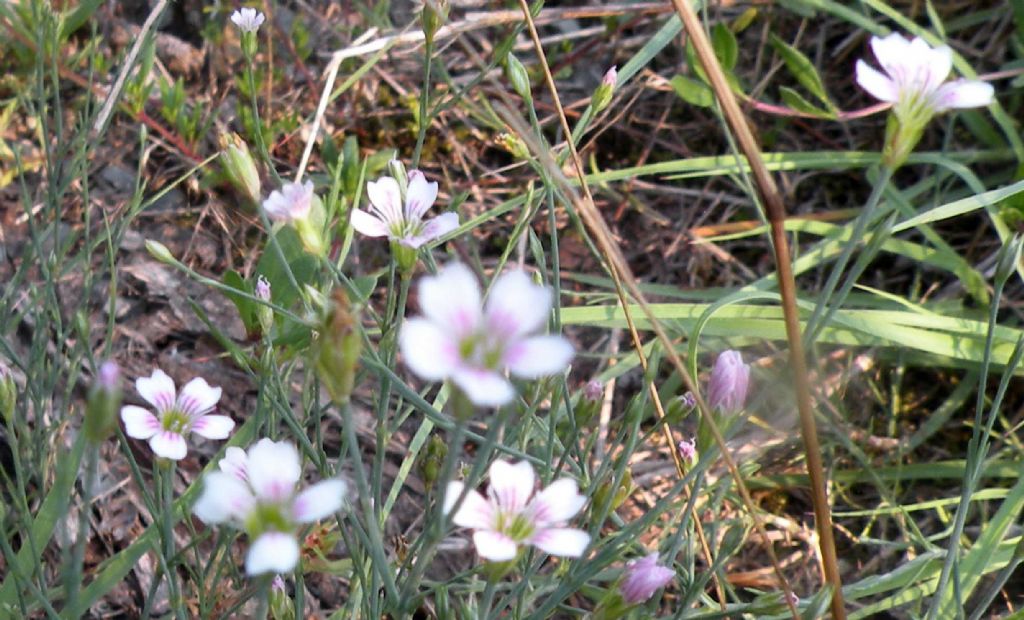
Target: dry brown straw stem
787, 290
622, 276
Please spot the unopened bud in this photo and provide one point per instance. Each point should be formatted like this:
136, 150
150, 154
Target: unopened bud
264, 314
643, 578
513, 144
1008, 258
518, 77
433, 460
603, 94
398, 172
730, 379
688, 450
160, 252
435, 13
281, 607
240, 167
338, 347
8, 393
104, 402
617, 495
589, 404
593, 390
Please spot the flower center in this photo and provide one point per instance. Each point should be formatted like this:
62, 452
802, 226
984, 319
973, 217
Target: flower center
515, 526
481, 351
175, 421
267, 517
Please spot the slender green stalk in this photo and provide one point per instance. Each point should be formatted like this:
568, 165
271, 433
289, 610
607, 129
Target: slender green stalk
827, 306
421, 133
73, 573
376, 549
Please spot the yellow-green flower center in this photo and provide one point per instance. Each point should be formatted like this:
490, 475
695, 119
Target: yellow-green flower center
175, 421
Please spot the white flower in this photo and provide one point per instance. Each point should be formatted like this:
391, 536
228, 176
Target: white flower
291, 203
388, 218
914, 78
177, 415
247, 19
256, 491
458, 340
508, 517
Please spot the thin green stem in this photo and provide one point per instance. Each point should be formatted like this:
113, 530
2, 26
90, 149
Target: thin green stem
421, 134
73, 576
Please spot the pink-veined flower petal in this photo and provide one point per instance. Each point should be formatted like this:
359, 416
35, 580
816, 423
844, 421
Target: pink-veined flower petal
963, 94
169, 445
539, 356
475, 512
892, 53
368, 224
433, 229
556, 504
485, 388
494, 546
516, 306
561, 541
272, 552
319, 500
235, 462
426, 350
158, 390
138, 422
386, 198
419, 196
292, 202
198, 397
451, 299
643, 578
213, 426
877, 84
274, 469
511, 485
224, 498
930, 65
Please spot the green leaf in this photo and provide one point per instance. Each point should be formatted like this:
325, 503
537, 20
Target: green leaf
693, 92
303, 266
726, 48
246, 307
54, 508
803, 70
796, 101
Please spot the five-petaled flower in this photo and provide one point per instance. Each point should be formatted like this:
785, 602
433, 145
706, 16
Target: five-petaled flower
290, 203
914, 81
643, 578
257, 491
508, 517
472, 346
730, 379
177, 415
403, 224
248, 19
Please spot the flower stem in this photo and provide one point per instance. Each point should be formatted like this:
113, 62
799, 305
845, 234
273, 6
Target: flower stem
827, 306
167, 469
421, 134
73, 579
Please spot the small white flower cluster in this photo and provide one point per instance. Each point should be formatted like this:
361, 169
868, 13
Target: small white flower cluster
255, 490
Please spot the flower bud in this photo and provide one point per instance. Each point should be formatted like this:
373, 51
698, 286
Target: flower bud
104, 402
433, 460
603, 94
264, 314
1008, 258
8, 393
727, 390
281, 607
513, 144
160, 252
518, 77
617, 494
688, 450
435, 13
338, 347
240, 167
589, 403
643, 578
593, 390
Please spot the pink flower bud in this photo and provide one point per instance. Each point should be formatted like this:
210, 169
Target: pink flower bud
263, 288
643, 578
688, 449
593, 390
109, 376
730, 379
611, 78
